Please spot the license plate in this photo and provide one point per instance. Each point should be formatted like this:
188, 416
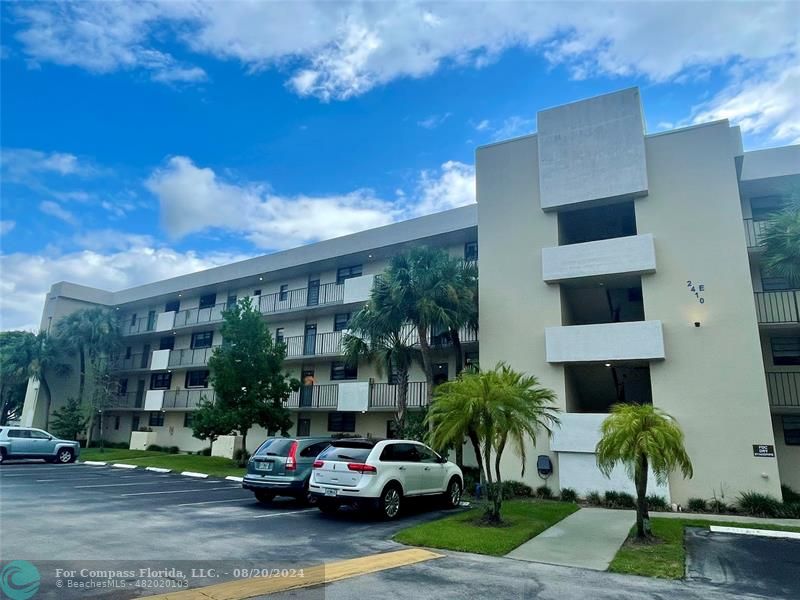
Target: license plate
331, 492
264, 466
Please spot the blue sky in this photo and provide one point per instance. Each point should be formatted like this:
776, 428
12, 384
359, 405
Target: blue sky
145, 140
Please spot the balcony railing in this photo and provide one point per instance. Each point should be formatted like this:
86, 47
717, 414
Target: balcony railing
128, 400
188, 357
778, 307
199, 316
318, 344
130, 363
186, 398
384, 395
315, 396
784, 388
754, 232
139, 325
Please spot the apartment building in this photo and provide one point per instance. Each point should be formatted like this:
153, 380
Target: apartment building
621, 266
615, 265
307, 296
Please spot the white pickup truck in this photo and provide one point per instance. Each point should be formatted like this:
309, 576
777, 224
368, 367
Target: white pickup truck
27, 442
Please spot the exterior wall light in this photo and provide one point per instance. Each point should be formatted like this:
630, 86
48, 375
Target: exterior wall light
697, 323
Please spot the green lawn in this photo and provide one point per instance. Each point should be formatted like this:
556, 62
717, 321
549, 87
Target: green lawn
667, 559
213, 465
524, 519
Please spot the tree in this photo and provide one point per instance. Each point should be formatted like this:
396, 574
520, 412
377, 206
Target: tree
210, 421
379, 333
500, 407
781, 241
104, 393
640, 436
70, 420
247, 376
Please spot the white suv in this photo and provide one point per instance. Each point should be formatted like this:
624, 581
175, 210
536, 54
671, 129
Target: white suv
380, 474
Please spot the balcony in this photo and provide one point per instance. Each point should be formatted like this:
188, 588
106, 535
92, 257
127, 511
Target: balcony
778, 308
320, 344
183, 399
754, 232
384, 395
188, 357
784, 389
139, 325
127, 400
634, 254
130, 363
315, 396
634, 340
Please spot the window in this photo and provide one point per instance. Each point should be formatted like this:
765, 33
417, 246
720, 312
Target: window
342, 422
151, 320
400, 453
279, 335
785, 350
167, 343
160, 381
208, 300
763, 208
256, 292
133, 319
135, 423
18, 433
303, 427
197, 379
427, 455
791, 430
284, 293
314, 449
349, 451
340, 321
172, 306
231, 301
156, 419
471, 251
128, 351
341, 370
347, 273
36, 434
123, 387
773, 284
471, 359
188, 419
144, 362
116, 422
202, 339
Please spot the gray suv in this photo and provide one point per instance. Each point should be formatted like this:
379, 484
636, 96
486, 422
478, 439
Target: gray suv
282, 467
27, 442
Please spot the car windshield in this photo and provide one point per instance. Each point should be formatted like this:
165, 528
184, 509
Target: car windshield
352, 454
275, 447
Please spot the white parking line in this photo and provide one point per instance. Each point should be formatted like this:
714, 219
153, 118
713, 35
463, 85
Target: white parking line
92, 478
124, 466
284, 514
227, 487
102, 485
250, 499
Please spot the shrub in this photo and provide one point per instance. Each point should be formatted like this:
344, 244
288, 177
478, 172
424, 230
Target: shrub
655, 502
611, 498
717, 506
593, 498
568, 495
789, 495
759, 505
790, 510
240, 457
544, 492
625, 500
471, 479
516, 489
205, 451
173, 450
154, 448
697, 505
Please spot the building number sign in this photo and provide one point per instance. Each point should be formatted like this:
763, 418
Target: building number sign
697, 289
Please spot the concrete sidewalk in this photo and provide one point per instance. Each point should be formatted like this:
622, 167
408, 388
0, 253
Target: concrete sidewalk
588, 539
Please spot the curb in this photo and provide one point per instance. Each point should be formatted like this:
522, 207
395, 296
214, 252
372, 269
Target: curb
234, 478
94, 463
124, 466
158, 469
193, 474
773, 533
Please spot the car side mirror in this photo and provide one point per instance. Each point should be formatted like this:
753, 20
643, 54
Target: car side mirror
441, 459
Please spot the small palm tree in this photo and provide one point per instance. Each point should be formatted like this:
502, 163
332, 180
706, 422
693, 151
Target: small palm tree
781, 241
495, 408
642, 437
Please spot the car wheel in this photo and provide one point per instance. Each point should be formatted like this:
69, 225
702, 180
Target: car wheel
389, 502
65, 455
306, 498
452, 496
264, 497
2, 455
327, 506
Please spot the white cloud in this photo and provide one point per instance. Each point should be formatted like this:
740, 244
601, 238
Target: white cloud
19, 164
7, 226
134, 261
54, 209
195, 199
433, 121
483, 125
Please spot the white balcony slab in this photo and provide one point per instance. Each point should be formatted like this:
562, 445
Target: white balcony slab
165, 321
630, 254
160, 360
154, 400
354, 396
574, 444
637, 340
357, 289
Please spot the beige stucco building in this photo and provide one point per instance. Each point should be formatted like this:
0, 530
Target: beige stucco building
615, 265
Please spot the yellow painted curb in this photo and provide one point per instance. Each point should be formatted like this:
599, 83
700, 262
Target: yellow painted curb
316, 575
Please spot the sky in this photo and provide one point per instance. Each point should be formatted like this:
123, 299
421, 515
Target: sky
144, 140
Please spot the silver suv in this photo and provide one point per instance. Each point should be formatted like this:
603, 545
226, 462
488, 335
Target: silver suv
27, 442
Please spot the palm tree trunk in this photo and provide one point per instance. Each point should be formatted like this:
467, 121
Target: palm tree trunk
43, 386
456, 339
642, 515
402, 400
476, 447
492, 514
425, 350
498, 498
82, 380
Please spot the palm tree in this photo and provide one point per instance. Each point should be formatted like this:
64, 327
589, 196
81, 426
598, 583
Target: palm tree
781, 241
641, 436
379, 334
461, 278
502, 407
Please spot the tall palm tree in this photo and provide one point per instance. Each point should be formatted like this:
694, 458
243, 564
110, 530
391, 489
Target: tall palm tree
781, 241
502, 407
640, 436
379, 334
461, 278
